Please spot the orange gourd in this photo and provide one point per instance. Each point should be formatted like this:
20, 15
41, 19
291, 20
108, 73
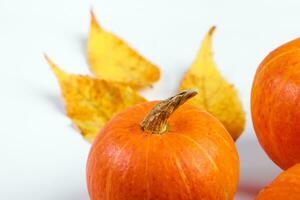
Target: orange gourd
275, 104
285, 187
151, 152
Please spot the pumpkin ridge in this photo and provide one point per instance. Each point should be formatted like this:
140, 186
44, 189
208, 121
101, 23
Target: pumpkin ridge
281, 55
201, 149
114, 160
147, 168
226, 191
270, 127
179, 169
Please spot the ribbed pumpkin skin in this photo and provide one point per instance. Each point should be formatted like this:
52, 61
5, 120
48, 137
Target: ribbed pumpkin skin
285, 187
275, 104
195, 159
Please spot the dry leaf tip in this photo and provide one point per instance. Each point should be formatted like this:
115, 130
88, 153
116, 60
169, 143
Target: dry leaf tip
57, 71
212, 30
94, 21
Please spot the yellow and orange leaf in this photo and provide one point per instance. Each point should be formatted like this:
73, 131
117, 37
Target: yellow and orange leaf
216, 95
112, 59
91, 103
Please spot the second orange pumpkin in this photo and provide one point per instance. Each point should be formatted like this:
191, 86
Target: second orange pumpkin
275, 104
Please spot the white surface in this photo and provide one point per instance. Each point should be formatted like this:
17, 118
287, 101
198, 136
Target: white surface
41, 156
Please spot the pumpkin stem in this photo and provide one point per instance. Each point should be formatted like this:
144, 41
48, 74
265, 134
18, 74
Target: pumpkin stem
156, 120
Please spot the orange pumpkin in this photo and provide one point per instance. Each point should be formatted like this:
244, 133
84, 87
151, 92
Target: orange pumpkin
275, 104
285, 187
149, 152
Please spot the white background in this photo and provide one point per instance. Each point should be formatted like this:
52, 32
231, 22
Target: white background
41, 154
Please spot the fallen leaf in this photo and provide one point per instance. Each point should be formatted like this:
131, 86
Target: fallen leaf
216, 95
90, 103
112, 59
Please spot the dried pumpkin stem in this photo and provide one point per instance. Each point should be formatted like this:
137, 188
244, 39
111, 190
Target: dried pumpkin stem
156, 120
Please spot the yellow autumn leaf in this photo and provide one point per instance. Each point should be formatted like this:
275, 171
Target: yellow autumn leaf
216, 95
112, 59
90, 103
